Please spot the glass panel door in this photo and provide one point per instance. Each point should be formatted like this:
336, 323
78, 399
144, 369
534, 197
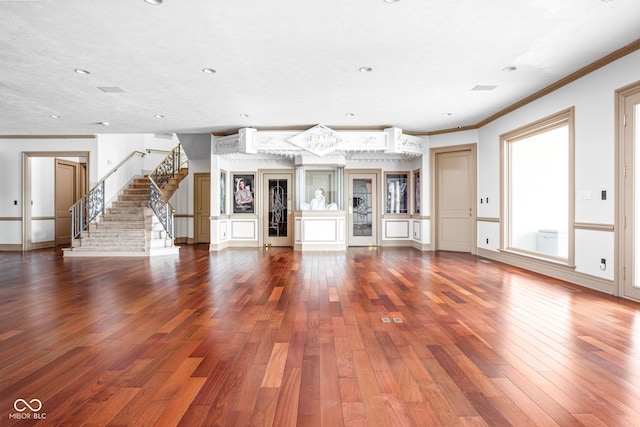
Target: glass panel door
362, 210
277, 209
278, 189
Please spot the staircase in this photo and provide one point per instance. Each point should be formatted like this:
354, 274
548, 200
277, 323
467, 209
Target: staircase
125, 227
131, 226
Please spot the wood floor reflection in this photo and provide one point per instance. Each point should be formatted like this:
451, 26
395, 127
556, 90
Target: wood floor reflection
370, 337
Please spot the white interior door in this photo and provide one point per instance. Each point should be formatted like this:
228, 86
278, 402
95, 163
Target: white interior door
362, 209
455, 198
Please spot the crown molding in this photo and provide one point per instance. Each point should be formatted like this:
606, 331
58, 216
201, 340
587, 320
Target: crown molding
576, 75
47, 136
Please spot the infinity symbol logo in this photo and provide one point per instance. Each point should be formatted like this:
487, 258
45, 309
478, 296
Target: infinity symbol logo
21, 405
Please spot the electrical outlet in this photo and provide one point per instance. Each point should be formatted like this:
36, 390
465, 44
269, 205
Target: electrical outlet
603, 264
604, 194
487, 241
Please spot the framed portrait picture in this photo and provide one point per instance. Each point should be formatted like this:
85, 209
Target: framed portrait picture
396, 187
243, 193
223, 192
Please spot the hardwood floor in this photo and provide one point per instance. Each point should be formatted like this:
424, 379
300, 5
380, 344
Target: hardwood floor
370, 337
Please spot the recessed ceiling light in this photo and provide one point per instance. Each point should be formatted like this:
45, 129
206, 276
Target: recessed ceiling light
447, 114
244, 116
111, 89
54, 116
154, 1
349, 114
391, 1
484, 87
158, 116
103, 123
509, 69
209, 70
365, 69
80, 71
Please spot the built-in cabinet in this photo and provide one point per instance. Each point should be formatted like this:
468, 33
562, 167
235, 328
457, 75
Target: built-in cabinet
318, 189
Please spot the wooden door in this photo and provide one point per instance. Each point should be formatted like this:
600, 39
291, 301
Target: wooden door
454, 201
202, 200
277, 213
66, 194
362, 209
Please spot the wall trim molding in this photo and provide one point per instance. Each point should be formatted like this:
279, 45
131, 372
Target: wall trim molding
590, 68
396, 243
562, 272
10, 247
424, 247
184, 241
488, 219
593, 226
43, 245
48, 136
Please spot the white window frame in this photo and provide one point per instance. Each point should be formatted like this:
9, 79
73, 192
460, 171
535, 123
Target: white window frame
562, 118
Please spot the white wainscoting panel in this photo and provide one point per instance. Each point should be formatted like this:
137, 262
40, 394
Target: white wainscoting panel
243, 229
396, 229
320, 230
417, 232
223, 230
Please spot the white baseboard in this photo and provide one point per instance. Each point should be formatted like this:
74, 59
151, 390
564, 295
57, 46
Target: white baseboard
552, 270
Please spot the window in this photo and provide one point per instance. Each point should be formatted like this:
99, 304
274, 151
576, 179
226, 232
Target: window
538, 189
319, 187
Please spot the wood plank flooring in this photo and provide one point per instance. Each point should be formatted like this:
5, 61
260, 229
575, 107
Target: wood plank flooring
366, 337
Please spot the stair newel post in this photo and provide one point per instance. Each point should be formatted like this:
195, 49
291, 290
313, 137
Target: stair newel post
174, 157
80, 218
170, 213
176, 167
103, 198
73, 224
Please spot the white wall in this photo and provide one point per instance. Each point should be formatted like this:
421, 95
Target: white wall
11, 152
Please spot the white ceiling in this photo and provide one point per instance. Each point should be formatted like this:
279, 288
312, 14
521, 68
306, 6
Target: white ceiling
289, 63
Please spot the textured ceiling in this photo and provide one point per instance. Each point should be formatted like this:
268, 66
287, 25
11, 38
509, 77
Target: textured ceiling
289, 63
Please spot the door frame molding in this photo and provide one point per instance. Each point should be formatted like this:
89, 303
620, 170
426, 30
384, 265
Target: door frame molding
262, 201
621, 96
26, 186
378, 210
433, 152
